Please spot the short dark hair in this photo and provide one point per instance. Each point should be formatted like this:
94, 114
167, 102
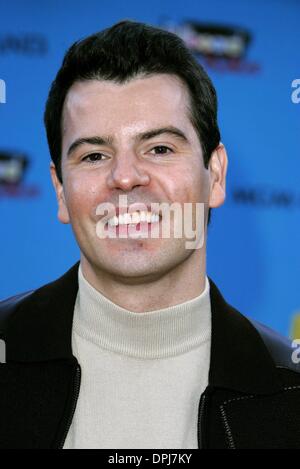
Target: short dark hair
126, 50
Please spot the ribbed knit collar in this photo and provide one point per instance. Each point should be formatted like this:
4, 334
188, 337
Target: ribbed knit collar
154, 334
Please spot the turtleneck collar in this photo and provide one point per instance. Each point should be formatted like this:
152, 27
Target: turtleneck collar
154, 334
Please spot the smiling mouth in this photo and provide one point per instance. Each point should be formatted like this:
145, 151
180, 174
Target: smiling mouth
135, 218
139, 224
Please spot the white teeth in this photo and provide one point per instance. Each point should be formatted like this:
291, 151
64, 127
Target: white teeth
114, 221
121, 219
135, 217
154, 217
127, 218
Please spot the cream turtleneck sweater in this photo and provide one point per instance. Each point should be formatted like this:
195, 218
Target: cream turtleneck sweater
142, 373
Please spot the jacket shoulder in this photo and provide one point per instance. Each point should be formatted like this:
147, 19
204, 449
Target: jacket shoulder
9, 306
37, 304
280, 348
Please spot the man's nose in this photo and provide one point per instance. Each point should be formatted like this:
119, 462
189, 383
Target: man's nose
127, 173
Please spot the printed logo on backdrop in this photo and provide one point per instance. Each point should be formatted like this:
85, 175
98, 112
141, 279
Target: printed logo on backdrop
266, 196
13, 167
32, 44
219, 47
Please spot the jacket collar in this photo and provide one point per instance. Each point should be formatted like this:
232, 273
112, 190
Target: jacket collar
41, 329
239, 358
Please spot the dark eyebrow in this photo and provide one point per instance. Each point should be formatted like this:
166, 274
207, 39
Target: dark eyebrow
163, 130
91, 140
108, 140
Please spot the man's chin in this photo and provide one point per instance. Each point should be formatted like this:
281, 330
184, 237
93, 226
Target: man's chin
132, 271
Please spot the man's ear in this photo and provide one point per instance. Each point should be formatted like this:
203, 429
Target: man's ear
218, 168
63, 214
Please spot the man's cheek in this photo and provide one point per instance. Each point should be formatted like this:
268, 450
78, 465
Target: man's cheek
77, 206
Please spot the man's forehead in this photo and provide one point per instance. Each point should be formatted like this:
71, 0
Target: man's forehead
143, 93
143, 103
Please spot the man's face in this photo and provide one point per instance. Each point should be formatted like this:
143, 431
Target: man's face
162, 168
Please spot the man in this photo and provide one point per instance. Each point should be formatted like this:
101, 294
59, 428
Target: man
134, 347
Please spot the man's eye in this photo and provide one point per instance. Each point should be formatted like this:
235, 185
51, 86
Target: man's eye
93, 157
162, 150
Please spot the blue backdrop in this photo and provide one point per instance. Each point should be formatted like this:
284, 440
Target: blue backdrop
253, 247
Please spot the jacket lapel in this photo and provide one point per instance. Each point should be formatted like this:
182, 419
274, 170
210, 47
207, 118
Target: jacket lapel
246, 402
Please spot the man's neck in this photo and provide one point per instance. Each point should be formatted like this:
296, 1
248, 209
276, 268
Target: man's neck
183, 283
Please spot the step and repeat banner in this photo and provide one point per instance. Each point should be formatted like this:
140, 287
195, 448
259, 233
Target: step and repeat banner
251, 51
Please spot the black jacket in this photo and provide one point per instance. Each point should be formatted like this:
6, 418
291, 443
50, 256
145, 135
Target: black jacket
252, 400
